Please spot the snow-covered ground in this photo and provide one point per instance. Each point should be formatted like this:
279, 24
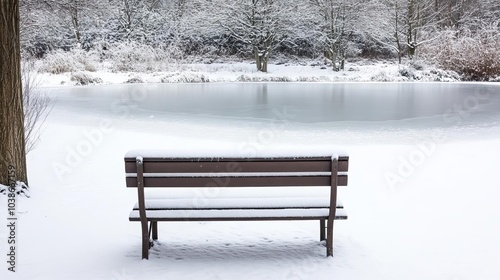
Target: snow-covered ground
305, 71
422, 204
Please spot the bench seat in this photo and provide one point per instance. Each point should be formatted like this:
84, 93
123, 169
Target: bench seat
236, 203
237, 214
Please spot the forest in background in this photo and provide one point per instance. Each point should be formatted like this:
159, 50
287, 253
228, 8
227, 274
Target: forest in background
458, 35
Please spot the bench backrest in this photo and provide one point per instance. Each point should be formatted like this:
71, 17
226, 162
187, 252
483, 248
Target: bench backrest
157, 172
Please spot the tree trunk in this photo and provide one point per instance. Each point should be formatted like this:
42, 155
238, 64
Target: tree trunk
333, 57
258, 61
342, 63
412, 48
264, 63
12, 142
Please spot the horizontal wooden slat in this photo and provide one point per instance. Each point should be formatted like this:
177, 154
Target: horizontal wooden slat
257, 181
237, 215
195, 219
156, 165
234, 208
240, 201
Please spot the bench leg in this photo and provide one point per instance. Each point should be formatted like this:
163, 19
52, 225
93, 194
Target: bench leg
329, 239
145, 240
154, 227
322, 230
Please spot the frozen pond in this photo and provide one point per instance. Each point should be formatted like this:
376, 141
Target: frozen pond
302, 102
341, 112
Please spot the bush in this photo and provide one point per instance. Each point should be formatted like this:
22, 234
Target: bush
408, 72
371, 48
134, 80
382, 76
473, 56
83, 79
133, 56
187, 77
59, 61
130, 56
417, 64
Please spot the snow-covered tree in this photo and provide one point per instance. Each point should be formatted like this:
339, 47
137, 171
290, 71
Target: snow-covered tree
337, 24
403, 25
183, 29
259, 24
75, 20
136, 20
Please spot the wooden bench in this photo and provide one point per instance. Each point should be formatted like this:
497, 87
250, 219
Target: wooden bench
154, 170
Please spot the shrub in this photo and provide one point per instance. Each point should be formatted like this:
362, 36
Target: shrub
186, 77
382, 76
134, 80
59, 61
133, 56
417, 64
473, 56
407, 71
83, 79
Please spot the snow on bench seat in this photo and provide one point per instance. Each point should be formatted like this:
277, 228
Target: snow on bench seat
238, 214
237, 203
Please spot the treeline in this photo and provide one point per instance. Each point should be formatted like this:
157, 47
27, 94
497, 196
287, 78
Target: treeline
460, 35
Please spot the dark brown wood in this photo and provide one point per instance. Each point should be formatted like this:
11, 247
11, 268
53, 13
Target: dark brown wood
229, 208
142, 209
248, 219
333, 208
322, 229
154, 229
298, 165
225, 181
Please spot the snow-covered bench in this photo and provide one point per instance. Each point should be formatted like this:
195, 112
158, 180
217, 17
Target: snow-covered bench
235, 189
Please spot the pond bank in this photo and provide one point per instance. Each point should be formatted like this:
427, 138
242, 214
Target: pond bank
361, 71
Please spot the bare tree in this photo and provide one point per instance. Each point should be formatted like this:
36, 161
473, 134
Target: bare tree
419, 18
76, 18
458, 13
337, 25
137, 18
258, 24
403, 25
12, 141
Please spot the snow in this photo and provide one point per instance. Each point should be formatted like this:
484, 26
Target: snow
239, 202
236, 213
20, 189
439, 220
278, 152
361, 71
